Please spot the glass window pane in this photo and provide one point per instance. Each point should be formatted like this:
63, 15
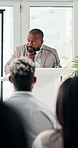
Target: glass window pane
8, 34
7, 44
56, 23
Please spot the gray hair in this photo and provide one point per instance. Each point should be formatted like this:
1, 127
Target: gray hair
22, 73
21, 66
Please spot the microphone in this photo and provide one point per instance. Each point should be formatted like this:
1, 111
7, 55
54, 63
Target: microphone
33, 51
55, 57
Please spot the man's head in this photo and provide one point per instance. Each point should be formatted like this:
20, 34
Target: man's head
22, 74
35, 38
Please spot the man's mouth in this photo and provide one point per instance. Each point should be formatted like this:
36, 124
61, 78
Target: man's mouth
31, 50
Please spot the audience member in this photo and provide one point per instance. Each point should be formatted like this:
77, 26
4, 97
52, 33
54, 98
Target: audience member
12, 133
38, 116
67, 114
34, 49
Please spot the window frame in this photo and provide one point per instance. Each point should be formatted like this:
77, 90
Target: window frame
16, 34
16, 21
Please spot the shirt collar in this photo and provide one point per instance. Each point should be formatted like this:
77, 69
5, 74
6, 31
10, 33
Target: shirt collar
22, 92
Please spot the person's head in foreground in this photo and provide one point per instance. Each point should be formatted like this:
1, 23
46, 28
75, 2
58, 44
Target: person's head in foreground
12, 134
67, 111
22, 74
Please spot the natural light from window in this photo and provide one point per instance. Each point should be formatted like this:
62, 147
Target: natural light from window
56, 23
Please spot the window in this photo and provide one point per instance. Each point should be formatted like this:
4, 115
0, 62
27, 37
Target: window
11, 39
56, 23
6, 40
8, 34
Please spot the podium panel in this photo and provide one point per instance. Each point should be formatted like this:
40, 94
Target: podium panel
48, 82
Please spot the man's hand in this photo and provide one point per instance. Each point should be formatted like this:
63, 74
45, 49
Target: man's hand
32, 56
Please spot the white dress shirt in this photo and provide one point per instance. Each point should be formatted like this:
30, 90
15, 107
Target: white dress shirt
38, 116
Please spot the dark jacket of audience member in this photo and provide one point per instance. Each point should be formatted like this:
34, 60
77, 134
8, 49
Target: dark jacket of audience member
12, 134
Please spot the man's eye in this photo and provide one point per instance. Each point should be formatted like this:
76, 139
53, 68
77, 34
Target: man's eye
28, 40
35, 41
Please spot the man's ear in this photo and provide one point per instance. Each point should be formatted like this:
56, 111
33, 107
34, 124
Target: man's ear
42, 41
10, 79
34, 81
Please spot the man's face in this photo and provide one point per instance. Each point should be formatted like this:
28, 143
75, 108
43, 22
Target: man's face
34, 40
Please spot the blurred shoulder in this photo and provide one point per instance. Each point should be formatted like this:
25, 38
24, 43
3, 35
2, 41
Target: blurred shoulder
21, 47
49, 138
49, 48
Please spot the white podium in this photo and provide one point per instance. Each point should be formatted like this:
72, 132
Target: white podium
46, 87
48, 82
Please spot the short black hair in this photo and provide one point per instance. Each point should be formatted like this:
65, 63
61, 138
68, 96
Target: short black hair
22, 73
37, 31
